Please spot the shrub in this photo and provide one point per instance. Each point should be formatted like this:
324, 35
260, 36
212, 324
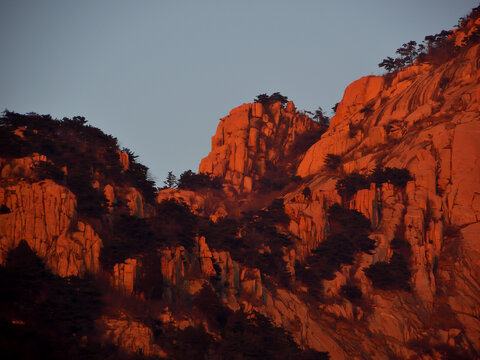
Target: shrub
248, 238
138, 175
321, 118
351, 292
11, 145
304, 141
435, 49
307, 193
149, 278
276, 179
57, 311
255, 337
363, 243
191, 181
452, 231
353, 224
259, 230
397, 177
334, 107
378, 176
399, 244
402, 247
351, 183
210, 305
353, 129
238, 335
332, 161
349, 236
473, 38
266, 100
274, 214
47, 170
331, 254
4, 209
220, 234
192, 342
171, 181
175, 224
172, 225
131, 236
394, 176
83, 149
367, 109
336, 250
90, 201
390, 275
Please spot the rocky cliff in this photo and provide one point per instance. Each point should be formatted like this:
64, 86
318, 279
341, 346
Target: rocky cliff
255, 140
369, 249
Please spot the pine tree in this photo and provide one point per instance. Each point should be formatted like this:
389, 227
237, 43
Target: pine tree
171, 181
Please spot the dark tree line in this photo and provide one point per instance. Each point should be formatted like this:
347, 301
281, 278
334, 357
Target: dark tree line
435, 48
266, 100
348, 185
190, 180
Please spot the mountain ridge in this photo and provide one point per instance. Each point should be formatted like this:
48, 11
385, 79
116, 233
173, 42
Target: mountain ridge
360, 239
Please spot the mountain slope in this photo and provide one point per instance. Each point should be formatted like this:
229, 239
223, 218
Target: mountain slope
360, 239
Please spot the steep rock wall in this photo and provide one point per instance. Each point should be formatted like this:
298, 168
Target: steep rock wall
252, 140
425, 119
44, 215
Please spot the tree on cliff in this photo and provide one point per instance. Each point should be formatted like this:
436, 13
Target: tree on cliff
409, 52
265, 99
320, 117
171, 181
435, 49
192, 181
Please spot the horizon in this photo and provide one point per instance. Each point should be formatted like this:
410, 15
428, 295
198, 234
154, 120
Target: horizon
145, 73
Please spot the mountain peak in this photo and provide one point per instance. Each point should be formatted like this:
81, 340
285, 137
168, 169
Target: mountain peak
256, 141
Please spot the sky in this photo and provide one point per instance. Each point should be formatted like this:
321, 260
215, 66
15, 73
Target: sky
159, 74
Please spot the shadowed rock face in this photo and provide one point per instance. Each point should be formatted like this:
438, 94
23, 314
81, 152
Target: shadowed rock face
424, 118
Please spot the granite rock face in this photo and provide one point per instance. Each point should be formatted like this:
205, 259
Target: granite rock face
44, 215
425, 119
254, 139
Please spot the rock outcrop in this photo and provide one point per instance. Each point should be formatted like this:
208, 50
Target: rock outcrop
253, 140
130, 335
44, 215
425, 119
205, 203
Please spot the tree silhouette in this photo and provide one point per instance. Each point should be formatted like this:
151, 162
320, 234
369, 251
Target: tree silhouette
320, 117
408, 53
171, 181
267, 100
332, 161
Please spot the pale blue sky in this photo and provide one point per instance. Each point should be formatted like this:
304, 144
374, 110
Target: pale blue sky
158, 75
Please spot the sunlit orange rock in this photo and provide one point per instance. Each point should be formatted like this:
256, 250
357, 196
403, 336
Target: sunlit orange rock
253, 138
44, 215
424, 118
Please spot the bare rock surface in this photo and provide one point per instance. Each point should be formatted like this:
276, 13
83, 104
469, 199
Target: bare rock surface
44, 215
254, 139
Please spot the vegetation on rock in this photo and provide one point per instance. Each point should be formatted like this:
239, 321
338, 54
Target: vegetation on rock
333, 161
266, 100
349, 236
45, 316
191, 181
435, 49
348, 185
